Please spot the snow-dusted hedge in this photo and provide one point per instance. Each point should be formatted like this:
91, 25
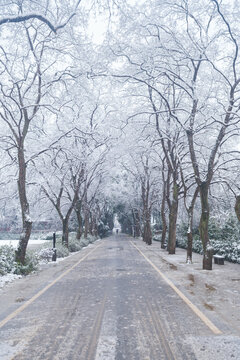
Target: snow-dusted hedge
230, 248
30, 265
8, 264
7, 259
43, 253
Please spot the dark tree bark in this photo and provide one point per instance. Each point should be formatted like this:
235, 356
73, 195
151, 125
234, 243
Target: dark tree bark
136, 221
163, 209
237, 207
173, 212
164, 229
65, 231
190, 223
26, 220
86, 222
79, 219
203, 227
147, 231
22, 18
190, 235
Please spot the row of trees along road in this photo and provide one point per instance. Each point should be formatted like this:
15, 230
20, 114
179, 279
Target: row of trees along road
182, 60
50, 113
150, 104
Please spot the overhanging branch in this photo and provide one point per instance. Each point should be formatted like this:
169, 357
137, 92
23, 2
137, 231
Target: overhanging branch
18, 19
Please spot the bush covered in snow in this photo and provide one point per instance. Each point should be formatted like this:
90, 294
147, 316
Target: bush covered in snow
84, 242
62, 251
224, 239
8, 264
30, 265
33, 257
74, 245
45, 254
7, 259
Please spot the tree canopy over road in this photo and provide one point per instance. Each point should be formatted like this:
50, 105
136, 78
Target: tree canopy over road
121, 107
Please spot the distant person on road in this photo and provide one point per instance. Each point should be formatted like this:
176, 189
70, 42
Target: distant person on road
117, 231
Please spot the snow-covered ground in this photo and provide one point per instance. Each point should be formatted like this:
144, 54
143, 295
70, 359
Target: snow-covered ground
9, 278
216, 292
6, 279
14, 243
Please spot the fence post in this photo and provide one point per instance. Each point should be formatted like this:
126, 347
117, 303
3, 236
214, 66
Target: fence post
54, 256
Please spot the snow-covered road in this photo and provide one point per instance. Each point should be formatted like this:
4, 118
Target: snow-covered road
111, 302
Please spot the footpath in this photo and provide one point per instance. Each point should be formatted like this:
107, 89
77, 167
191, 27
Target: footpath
216, 293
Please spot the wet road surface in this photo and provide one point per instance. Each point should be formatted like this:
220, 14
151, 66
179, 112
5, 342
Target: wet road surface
111, 305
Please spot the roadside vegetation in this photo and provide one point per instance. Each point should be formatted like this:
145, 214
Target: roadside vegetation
224, 238
40, 254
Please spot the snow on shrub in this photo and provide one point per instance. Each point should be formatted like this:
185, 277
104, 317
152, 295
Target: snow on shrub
45, 254
74, 245
230, 248
62, 251
7, 255
84, 242
91, 239
7, 259
30, 265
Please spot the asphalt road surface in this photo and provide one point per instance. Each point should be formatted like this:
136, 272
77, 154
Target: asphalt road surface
106, 302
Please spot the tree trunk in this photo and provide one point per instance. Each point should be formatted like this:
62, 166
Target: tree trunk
79, 220
91, 224
136, 219
20, 253
86, 223
164, 221
237, 207
65, 232
173, 211
147, 232
189, 237
203, 226
95, 227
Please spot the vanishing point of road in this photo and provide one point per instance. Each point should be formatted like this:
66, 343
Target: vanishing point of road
106, 302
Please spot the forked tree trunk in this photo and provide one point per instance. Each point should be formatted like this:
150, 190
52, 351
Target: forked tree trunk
203, 227
173, 211
20, 253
